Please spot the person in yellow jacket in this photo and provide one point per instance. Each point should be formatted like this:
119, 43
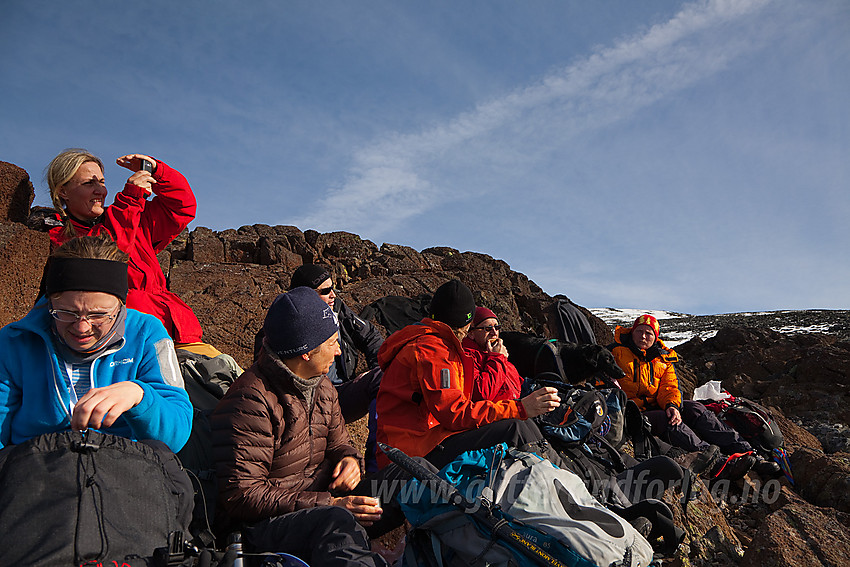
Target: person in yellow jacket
651, 382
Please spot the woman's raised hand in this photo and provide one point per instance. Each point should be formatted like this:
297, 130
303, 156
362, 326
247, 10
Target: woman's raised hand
140, 178
133, 162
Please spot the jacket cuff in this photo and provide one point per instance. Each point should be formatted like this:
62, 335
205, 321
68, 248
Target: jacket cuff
522, 412
162, 171
134, 191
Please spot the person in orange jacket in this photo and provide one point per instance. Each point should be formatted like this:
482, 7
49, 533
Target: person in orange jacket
424, 403
651, 382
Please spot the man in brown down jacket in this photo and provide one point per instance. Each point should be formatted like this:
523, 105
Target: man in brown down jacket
284, 461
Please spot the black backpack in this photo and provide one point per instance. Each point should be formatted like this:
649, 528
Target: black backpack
571, 324
70, 498
206, 380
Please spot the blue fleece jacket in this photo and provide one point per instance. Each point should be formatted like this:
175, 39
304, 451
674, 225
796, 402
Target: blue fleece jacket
34, 396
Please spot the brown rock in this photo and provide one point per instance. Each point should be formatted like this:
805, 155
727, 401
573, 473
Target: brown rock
205, 247
16, 193
708, 535
803, 535
240, 246
343, 246
399, 259
823, 480
23, 253
808, 376
230, 300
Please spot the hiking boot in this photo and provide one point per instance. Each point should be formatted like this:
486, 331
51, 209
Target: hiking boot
734, 467
642, 525
699, 461
767, 467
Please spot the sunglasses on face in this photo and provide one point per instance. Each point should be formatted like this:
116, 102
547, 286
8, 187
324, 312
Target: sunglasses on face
325, 290
489, 328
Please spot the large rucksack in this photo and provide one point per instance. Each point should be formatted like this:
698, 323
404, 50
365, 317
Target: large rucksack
534, 500
69, 498
394, 312
571, 324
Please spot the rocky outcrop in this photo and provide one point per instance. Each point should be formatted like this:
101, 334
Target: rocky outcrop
807, 375
801, 534
230, 278
22, 256
805, 380
16, 193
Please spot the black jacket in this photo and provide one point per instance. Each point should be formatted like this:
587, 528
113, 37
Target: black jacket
355, 334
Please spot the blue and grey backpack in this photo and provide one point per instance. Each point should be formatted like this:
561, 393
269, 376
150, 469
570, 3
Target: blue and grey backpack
535, 500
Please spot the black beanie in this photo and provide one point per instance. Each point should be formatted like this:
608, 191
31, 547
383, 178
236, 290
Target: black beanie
453, 304
309, 275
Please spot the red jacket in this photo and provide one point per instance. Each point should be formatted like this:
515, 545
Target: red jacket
425, 394
143, 228
495, 378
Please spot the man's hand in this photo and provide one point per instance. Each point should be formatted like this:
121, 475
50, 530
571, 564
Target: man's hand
365, 508
345, 476
100, 407
673, 416
497, 346
540, 401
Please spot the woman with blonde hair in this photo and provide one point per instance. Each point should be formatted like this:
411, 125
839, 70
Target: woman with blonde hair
140, 226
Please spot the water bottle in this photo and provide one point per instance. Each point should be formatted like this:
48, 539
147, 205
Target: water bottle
234, 550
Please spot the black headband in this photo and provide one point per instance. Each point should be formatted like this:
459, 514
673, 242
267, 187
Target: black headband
87, 274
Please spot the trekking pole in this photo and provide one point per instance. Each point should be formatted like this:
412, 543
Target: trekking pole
499, 527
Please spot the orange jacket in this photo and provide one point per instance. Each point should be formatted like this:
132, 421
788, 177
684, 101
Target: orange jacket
650, 378
425, 394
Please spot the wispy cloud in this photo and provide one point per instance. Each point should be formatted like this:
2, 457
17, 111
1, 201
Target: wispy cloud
399, 177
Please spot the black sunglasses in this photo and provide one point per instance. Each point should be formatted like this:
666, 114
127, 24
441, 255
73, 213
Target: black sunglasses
325, 290
489, 328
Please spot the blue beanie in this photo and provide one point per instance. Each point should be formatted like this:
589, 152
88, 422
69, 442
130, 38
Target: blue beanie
297, 322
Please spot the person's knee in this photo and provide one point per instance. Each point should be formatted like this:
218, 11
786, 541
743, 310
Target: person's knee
337, 518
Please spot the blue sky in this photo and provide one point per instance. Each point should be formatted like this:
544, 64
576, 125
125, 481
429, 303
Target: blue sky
688, 156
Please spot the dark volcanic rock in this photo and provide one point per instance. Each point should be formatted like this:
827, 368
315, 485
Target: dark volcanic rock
23, 253
824, 480
801, 534
807, 375
16, 193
